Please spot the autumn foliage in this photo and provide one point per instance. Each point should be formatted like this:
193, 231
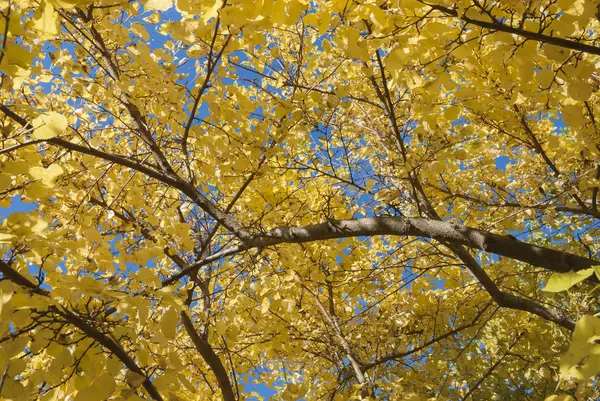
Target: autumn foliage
304, 200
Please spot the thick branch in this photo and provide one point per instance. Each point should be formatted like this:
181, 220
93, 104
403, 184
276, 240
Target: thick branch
11, 274
115, 348
210, 357
505, 299
503, 245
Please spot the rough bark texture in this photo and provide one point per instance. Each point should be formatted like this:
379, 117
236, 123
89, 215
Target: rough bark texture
503, 245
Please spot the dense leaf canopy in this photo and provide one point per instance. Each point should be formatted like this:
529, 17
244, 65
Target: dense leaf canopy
319, 200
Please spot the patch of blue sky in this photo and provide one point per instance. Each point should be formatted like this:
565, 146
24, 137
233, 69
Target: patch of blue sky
502, 161
16, 205
253, 384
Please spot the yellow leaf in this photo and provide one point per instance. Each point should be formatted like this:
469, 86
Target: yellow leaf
563, 281
437, 167
135, 397
45, 21
578, 8
113, 366
175, 361
573, 115
350, 40
563, 397
49, 125
6, 238
52, 395
286, 11
518, 97
134, 379
93, 235
221, 327
140, 30
579, 90
69, 4
264, 306
87, 394
526, 71
142, 313
211, 12
22, 223
375, 14
241, 164
4, 299
452, 112
397, 57
556, 53
159, 5
544, 77
460, 154
186, 383
12, 389
17, 55
597, 271
342, 91
436, 28
582, 361
184, 6
105, 386
46, 175
14, 24
168, 323
148, 276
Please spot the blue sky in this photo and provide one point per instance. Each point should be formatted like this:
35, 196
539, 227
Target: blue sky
16, 205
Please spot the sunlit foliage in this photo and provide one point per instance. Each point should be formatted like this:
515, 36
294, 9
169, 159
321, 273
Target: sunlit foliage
326, 200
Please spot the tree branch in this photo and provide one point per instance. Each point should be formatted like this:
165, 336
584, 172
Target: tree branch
503, 245
491, 368
396, 355
17, 278
499, 26
174, 181
210, 357
508, 300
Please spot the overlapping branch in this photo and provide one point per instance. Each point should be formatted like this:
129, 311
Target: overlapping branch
497, 25
14, 276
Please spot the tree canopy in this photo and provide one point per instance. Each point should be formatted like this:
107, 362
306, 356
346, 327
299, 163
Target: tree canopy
316, 200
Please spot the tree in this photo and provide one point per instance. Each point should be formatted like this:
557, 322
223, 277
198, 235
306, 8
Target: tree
337, 199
